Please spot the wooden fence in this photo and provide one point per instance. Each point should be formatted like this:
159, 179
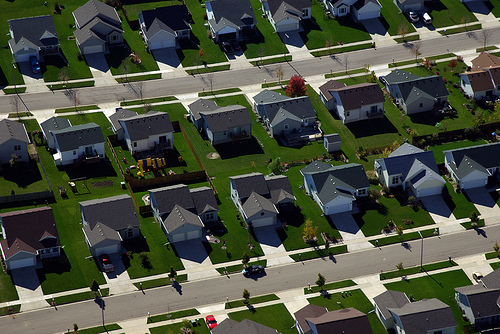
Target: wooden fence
198, 176
30, 197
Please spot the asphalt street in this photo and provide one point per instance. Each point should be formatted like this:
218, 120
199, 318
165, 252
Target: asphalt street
247, 76
215, 290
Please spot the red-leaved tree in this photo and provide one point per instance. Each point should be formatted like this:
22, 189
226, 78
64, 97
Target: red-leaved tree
296, 86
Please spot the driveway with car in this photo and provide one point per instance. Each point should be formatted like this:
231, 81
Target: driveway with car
118, 279
483, 202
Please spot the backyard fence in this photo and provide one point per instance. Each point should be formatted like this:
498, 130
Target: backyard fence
447, 136
198, 176
37, 196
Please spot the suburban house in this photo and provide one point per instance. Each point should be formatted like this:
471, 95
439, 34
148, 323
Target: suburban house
116, 126
152, 131
107, 222
411, 168
424, 316
389, 300
409, 5
471, 167
484, 61
78, 144
14, 140
481, 84
332, 142
313, 319
98, 27
51, 124
182, 212
230, 326
286, 15
260, 199
230, 19
359, 9
353, 103
292, 118
163, 27
335, 188
221, 124
29, 235
33, 37
416, 94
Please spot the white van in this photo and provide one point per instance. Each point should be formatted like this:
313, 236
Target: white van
426, 18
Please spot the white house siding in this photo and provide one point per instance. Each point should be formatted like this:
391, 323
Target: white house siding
161, 40
287, 24
330, 105
473, 180
8, 149
368, 11
25, 54
292, 124
185, 232
428, 188
338, 204
21, 260
263, 218
68, 157
415, 107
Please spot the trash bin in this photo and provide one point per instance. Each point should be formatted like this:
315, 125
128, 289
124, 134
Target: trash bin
123, 185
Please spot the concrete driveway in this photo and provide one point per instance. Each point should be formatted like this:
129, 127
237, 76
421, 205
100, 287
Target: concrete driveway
194, 256
437, 208
378, 32
483, 202
28, 288
98, 65
271, 245
118, 280
350, 231
167, 59
29, 77
293, 41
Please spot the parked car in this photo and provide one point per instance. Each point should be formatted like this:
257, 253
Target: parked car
426, 18
226, 47
35, 66
413, 16
477, 276
106, 264
211, 322
236, 46
255, 269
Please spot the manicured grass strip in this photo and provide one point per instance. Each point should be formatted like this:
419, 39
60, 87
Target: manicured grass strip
406, 237
406, 62
341, 74
488, 48
271, 84
319, 253
220, 91
342, 49
77, 297
407, 38
173, 315
13, 91
416, 270
468, 225
443, 56
492, 255
151, 100
274, 60
10, 309
98, 329
495, 265
139, 78
80, 84
208, 69
21, 114
160, 282
80, 108
239, 267
252, 301
330, 286
460, 29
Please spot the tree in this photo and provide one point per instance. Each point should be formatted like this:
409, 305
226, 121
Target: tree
210, 78
484, 36
72, 95
474, 217
296, 86
403, 29
399, 230
275, 166
245, 259
63, 76
75, 327
465, 19
246, 296
138, 88
400, 266
94, 286
186, 323
374, 193
329, 43
496, 248
261, 52
279, 73
310, 231
145, 263
321, 281
14, 102
427, 63
125, 68
453, 63
172, 273
415, 49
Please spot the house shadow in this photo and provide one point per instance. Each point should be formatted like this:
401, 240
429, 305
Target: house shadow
103, 169
308, 26
58, 265
233, 150
192, 250
371, 127
427, 118
24, 174
479, 7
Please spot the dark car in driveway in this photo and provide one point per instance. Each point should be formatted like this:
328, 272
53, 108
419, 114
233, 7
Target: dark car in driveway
35, 65
252, 270
106, 264
226, 47
236, 46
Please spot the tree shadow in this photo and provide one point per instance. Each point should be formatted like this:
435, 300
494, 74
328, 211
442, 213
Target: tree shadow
24, 174
372, 127
177, 287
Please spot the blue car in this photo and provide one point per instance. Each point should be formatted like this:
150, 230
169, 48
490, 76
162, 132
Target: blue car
35, 66
255, 269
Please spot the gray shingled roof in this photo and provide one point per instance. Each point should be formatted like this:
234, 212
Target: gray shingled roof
226, 118
202, 105
281, 9
425, 315
180, 216
256, 203
492, 280
120, 114
169, 18
92, 9
204, 199
483, 302
38, 31
279, 188
55, 123
100, 233
234, 13
267, 96
356, 96
333, 138
246, 326
117, 212
348, 320
73, 137
316, 166
412, 87
397, 76
473, 158
149, 124
329, 86
248, 183
167, 197
390, 299
301, 106
12, 130
361, 3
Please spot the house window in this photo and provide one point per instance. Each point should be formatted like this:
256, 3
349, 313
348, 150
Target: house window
114, 37
361, 192
463, 83
438, 332
373, 109
209, 216
305, 12
225, 133
74, 152
135, 144
395, 179
130, 233
347, 113
17, 147
342, 10
286, 127
420, 105
163, 139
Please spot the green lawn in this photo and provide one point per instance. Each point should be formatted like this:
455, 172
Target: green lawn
392, 18
319, 29
173, 315
329, 286
355, 299
98, 329
7, 287
494, 7
252, 301
448, 13
459, 203
439, 286
176, 328
274, 316
323, 253
415, 270
26, 177
408, 236
438, 149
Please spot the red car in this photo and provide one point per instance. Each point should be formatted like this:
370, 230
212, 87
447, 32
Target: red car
211, 322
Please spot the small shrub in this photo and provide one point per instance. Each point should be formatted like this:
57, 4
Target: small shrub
79, 55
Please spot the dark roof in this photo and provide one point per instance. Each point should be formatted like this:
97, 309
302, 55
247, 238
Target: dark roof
117, 212
308, 311
180, 216
256, 203
73, 137
482, 301
397, 76
282, 9
429, 86
403, 161
267, 96
167, 197
96, 9
316, 166
29, 231
390, 299
230, 326
204, 199
149, 124
169, 18
328, 86
472, 158
279, 188
226, 118
492, 280
12, 130
55, 123
495, 75
248, 183
236, 13
300, 107
202, 105
120, 114
38, 31
348, 320
485, 60
425, 315
479, 81
99, 233
356, 96
333, 138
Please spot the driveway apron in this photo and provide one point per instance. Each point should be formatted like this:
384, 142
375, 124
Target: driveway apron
483, 202
98, 65
350, 231
28, 288
118, 280
167, 59
271, 245
195, 258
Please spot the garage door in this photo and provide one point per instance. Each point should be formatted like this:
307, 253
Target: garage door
162, 44
193, 235
368, 15
263, 222
92, 49
429, 192
178, 237
24, 57
107, 250
473, 184
22, 263
288, 27
338, 208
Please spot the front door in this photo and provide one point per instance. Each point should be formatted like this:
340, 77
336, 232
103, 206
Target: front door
163, 139
88, 150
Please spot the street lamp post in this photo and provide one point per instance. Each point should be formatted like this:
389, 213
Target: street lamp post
14, 75
421, 250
